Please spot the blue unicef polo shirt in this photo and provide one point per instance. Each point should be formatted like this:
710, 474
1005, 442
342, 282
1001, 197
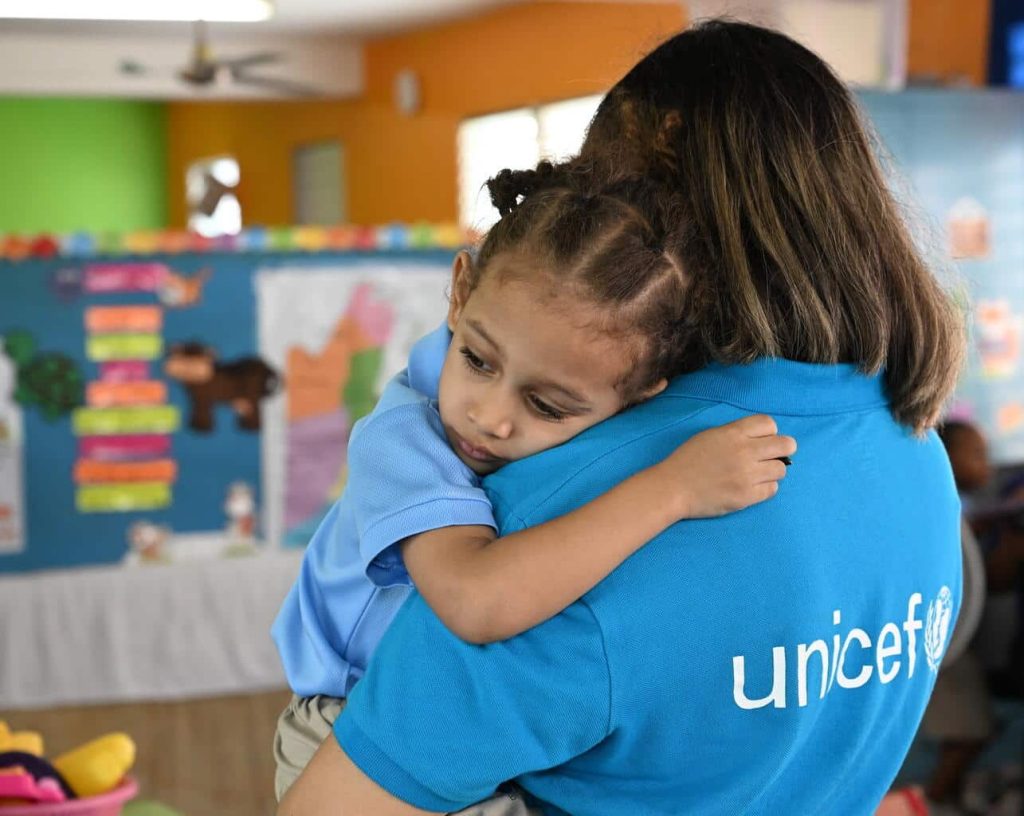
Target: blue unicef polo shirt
774, 661
403, 479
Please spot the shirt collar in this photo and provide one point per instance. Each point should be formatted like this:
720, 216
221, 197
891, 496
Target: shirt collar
777, 386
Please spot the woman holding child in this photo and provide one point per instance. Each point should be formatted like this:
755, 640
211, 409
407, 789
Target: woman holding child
771, 660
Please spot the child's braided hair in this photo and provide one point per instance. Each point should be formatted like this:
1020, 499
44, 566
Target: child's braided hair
613, 246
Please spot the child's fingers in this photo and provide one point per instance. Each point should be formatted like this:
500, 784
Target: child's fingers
757, 425
771, 470
774, 447
764, 491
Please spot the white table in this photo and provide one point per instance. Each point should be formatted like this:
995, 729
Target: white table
162, 632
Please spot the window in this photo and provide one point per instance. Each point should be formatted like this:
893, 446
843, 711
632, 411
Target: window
318, 171
516, 139
213, 207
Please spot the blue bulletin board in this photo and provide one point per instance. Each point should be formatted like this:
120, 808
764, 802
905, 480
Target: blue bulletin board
319, 331
962, 153
93, 317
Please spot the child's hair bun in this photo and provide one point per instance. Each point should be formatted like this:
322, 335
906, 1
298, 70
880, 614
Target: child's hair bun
509, 186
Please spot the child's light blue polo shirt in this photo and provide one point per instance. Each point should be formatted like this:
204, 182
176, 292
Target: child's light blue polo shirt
403, 479
773, 661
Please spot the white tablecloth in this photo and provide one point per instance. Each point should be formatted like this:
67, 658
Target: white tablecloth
190, 629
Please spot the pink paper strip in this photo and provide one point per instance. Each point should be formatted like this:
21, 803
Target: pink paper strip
124, 448
124, 370
124, 277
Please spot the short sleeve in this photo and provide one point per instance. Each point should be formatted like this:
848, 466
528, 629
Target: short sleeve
404, 479
440, 723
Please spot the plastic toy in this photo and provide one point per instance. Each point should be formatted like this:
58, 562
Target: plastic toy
19, 785
28, 741
97, 766
108, 804
38, 767
91, 780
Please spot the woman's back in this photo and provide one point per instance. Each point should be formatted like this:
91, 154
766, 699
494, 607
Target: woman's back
777, 660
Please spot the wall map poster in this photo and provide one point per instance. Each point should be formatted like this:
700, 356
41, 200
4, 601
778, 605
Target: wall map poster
336, 335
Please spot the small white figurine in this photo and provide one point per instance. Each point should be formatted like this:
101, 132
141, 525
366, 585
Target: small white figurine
240, 508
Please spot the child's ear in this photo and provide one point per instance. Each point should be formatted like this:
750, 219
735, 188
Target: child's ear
654, 390
462, 274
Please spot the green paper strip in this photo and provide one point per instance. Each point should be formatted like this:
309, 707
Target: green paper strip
103, 347
123, 498
143, 419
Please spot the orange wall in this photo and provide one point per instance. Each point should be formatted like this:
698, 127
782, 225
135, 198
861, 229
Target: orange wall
403, 168
949, 40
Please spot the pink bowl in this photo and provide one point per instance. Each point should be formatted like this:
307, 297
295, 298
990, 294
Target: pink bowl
108, 804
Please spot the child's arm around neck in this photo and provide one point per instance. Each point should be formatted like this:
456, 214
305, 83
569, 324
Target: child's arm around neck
487, 589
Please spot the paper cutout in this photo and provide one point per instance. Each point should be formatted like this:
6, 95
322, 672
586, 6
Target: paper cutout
12, 461
66, 284
183, 291
255, 239
161, 419
51, 382
103, 347
241, 383
90, 471
1010, 418
998, 337
124, 448
124, 319
124, 370
969, 229
123, 498
101, 394
124, 277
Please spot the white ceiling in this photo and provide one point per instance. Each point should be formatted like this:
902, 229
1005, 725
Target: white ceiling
320, 43
352, 17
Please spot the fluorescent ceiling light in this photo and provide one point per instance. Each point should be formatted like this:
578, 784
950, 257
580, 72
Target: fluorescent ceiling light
244, 11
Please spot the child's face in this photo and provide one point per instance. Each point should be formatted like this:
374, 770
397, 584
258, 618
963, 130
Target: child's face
521, 374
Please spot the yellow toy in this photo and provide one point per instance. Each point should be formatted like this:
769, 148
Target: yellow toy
97, 766
28, 742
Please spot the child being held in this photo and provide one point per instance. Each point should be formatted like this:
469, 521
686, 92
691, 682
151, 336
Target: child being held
565, 316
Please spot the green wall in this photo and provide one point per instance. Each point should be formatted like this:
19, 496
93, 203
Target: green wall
82, 164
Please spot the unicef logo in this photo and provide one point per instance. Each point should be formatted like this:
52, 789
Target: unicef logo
936, 628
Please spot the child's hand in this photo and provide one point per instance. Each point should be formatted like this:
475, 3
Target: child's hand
725, 469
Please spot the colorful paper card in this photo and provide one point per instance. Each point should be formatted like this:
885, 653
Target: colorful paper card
122, 498
101, 394
124, 319
124, 448
124, 370
90, 471
123, 277
103, 347
157, 419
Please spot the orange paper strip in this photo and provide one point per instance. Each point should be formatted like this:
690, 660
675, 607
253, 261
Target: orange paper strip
101, 394
112, 319
90, 471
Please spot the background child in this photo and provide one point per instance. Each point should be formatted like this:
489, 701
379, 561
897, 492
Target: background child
564, 318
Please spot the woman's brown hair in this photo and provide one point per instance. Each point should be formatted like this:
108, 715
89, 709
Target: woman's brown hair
796, 247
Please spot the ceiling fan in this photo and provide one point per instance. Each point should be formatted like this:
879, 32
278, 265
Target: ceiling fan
203, 69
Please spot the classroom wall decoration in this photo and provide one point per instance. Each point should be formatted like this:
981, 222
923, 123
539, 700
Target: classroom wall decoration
12, 465
356, 331
962, 153
147, 408
165, 396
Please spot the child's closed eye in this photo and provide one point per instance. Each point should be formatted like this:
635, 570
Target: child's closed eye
473, 362
546, 411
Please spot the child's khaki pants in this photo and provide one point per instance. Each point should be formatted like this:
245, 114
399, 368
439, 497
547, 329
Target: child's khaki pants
307, 721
